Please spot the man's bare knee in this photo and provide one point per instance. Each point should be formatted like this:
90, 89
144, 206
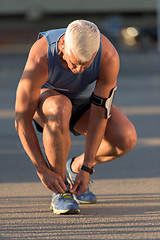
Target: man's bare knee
58, 113
127, 140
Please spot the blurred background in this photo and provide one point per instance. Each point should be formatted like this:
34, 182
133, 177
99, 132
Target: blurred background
128, 24
133, 28
127, 188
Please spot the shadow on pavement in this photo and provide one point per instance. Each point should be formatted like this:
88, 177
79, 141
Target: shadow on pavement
118, 215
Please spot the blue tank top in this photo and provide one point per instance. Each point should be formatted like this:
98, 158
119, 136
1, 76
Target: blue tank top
74, 86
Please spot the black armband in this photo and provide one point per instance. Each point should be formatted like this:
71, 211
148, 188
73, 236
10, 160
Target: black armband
104, 102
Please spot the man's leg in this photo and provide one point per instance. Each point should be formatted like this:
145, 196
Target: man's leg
120, 137
53, 115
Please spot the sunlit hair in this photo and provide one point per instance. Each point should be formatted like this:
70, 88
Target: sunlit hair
83, 39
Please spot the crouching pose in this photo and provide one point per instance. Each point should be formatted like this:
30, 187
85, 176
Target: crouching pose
67, 85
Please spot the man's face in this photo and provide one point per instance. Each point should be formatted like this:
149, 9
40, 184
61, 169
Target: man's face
74, 65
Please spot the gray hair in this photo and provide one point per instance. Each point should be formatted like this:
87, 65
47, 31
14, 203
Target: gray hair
83, 38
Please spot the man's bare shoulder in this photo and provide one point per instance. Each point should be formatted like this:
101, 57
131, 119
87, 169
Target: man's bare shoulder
109, 52
109, 67
39, 51
36, 68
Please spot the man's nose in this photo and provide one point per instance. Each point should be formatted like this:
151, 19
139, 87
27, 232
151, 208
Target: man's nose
80, 69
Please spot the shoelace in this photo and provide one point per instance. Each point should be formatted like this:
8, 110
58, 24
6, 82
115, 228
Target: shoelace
67, 196
85, 191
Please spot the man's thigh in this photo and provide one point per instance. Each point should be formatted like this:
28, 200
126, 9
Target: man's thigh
117, 124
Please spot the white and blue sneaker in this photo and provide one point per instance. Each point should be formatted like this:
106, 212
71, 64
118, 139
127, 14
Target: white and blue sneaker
87, 196
64, 204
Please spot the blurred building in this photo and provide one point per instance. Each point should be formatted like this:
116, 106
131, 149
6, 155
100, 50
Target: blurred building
23, 19
38, 8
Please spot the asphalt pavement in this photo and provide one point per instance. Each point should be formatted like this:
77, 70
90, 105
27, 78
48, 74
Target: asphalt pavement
128, 189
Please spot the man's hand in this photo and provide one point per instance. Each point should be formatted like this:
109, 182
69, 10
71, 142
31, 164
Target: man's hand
52, 181
81, 183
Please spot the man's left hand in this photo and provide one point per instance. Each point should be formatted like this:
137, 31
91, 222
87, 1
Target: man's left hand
81, 183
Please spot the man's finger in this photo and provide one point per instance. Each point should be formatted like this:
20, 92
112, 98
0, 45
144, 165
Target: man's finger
62, 184
80, 190
74, 187
54, 190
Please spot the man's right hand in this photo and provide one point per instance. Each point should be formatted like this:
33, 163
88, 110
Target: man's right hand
52, 181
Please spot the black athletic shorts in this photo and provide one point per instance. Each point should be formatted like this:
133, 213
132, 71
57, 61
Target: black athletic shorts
79, 107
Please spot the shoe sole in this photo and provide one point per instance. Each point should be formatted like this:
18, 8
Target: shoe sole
65, 212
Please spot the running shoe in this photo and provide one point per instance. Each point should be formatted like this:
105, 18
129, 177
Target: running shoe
87, 196
64, 204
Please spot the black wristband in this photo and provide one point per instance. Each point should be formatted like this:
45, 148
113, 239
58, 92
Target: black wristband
87, 169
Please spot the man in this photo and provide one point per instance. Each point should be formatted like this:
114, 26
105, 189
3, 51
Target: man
64, 67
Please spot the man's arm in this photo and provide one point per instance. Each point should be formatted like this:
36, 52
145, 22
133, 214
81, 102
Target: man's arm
27, 98
97, 123
106, 82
